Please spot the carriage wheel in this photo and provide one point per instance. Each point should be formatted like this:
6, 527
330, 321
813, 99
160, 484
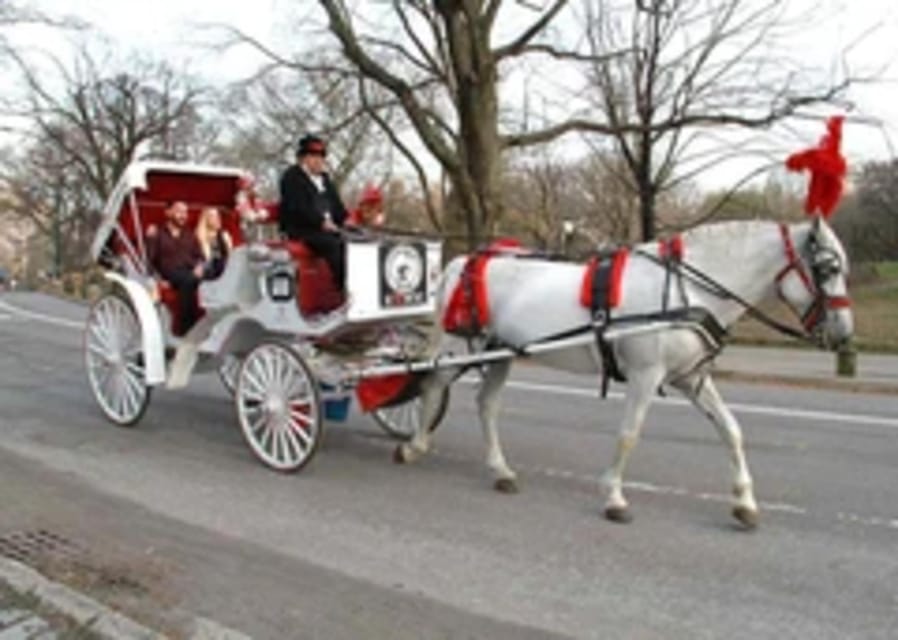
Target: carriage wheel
228, 371
278, 406
400, 420
113, 358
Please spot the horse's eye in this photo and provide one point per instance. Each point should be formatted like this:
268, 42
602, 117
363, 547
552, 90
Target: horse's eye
827, 267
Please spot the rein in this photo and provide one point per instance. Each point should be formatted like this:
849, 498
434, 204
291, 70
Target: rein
712, 286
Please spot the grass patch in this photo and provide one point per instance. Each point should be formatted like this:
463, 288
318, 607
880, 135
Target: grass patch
888, 270
875, 306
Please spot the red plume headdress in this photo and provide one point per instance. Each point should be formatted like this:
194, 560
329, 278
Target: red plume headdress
827, 167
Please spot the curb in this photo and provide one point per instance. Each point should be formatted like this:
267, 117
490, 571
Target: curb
847, 385
97, 617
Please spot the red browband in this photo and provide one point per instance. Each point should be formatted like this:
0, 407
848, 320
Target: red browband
838, 302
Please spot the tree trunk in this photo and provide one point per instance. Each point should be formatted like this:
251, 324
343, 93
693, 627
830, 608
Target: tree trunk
478, 182
646, 189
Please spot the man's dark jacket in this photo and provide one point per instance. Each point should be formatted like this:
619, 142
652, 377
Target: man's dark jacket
302, 206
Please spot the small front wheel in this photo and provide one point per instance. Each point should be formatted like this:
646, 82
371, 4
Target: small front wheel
278, 406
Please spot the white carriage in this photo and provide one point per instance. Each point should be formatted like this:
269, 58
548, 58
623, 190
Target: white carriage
289, 360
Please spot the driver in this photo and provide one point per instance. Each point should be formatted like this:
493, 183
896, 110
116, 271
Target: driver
311, 209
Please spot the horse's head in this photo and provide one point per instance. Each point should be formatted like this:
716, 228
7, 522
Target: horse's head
813, 285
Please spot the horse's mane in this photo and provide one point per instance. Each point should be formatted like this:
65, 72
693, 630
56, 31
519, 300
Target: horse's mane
731, 242
725, 230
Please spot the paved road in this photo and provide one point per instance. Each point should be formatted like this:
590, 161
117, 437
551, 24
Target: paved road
357, 547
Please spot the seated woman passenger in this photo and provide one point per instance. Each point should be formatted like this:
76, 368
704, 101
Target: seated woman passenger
215, 243
370, 210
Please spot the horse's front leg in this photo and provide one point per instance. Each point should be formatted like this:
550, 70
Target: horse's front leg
489, 405
641, 386
432, 388
708, 400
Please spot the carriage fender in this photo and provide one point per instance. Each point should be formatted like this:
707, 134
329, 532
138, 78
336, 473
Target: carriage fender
150, 327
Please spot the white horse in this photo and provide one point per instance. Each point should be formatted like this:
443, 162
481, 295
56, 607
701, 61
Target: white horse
726, 269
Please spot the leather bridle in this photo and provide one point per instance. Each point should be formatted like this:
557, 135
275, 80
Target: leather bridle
825, 263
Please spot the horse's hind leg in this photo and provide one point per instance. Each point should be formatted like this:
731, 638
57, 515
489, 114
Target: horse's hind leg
708, 400
489, 404
641, 387
431, 396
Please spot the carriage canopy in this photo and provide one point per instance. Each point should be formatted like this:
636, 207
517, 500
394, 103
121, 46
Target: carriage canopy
145, 190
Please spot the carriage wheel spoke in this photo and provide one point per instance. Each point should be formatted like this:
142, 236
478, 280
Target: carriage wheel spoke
135, 369
300, 416
257, 384
298, 431
130, 397
266, 431
283, 454
252, 397
290, 435
134, 379
99, 336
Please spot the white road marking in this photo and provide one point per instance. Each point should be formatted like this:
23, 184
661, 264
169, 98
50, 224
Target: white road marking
5, 316
32, 315
647, 487
803, 414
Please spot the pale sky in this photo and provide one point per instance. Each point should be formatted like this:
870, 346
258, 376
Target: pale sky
169, 25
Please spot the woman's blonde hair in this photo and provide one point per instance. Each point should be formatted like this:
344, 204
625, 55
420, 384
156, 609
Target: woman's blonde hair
205, 235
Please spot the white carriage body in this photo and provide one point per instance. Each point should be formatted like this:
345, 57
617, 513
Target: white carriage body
256, 296
286, 356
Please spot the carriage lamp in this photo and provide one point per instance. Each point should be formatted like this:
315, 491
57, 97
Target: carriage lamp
279, 285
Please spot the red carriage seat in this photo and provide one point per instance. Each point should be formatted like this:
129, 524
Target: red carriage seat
315, 284
314, 281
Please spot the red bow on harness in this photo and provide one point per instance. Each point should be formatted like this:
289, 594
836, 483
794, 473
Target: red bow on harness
827, 167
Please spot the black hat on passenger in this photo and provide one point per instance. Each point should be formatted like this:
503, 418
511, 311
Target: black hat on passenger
309, 144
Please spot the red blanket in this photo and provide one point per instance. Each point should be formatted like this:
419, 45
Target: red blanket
468, 311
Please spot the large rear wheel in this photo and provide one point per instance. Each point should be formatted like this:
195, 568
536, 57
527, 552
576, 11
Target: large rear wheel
113, 357
278, 406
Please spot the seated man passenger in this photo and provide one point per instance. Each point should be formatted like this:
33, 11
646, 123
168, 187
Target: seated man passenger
175, 255
311, 209
370, 210
215, 243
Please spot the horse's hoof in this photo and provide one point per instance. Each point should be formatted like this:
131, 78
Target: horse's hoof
747, 517
398, 455
621, 515
505, 485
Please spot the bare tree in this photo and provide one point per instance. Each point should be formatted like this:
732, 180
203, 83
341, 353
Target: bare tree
537, 195
868, 219
443, 63
694, 66
265, 115
80, 137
